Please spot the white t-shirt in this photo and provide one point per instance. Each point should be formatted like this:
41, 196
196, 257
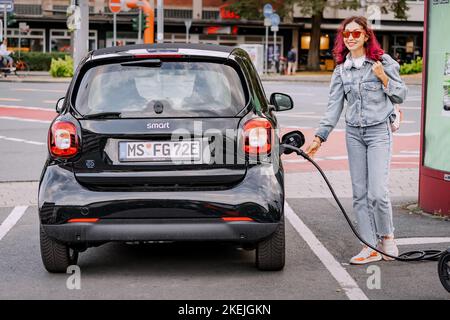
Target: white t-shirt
4, 50
358, 62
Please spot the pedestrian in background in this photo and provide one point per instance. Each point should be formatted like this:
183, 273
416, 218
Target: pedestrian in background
370, 81
292, 61
5, 55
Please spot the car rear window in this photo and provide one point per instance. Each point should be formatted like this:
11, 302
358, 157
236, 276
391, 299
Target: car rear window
171, 89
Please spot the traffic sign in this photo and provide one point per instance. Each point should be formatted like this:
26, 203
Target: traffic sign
275, 19
115, 6
9, 7
274, 28
268, 10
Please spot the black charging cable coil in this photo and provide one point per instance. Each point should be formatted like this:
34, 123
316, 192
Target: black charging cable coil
415, 255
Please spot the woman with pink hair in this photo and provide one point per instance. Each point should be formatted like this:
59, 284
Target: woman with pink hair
368, 79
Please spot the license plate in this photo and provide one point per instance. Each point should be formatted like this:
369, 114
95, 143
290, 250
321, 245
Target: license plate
188, 150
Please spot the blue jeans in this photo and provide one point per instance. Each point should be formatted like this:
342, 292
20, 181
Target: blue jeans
369, 155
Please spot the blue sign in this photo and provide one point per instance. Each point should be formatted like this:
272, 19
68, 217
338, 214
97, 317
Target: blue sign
268, 10
275, 19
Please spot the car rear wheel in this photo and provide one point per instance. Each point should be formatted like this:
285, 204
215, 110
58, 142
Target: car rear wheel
270, 253
56, 256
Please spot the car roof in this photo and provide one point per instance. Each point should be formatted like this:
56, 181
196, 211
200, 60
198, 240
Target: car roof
183, 48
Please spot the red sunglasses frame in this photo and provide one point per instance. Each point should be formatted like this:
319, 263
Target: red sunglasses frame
346, 34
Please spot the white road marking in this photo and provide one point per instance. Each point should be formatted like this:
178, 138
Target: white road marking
22, 140
341, 275
410, 108
407, 134
296, 127
10, 99
24, 107
413, 156
26, 120
299, 116
11, 220
40, 90
413, 241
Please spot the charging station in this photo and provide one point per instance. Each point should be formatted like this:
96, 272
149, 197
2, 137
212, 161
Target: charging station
434, 172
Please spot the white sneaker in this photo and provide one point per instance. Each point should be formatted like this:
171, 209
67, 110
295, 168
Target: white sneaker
365, 256
389, 246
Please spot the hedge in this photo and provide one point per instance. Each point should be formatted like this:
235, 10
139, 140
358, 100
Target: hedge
39, 61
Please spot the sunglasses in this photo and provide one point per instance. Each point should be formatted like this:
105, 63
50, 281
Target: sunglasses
355, 34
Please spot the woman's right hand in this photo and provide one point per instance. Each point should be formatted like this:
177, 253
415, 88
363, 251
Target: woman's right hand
314, 147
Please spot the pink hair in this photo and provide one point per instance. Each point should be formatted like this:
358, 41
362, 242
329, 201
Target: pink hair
372, 46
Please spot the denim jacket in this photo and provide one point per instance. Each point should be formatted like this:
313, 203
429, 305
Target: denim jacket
369, 102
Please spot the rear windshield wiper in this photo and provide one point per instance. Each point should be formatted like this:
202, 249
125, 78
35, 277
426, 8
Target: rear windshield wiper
152, 63
102, 115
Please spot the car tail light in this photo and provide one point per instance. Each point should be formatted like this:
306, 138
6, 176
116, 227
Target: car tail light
83, 220
63, 139
257, 136
229, 219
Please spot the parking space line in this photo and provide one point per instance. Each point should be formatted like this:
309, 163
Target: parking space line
344, 279
428, 240
11, 220
22, 140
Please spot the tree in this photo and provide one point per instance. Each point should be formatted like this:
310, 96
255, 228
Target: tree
252, 9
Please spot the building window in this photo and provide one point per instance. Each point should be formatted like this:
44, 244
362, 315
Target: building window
60, 40
28, 9
33, 40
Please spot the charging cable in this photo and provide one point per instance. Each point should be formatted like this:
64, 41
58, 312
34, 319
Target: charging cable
416, 255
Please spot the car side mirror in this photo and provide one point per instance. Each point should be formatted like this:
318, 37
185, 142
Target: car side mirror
60, 105
293, 138
281, 101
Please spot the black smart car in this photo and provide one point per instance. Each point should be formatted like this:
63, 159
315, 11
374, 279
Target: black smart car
166, 142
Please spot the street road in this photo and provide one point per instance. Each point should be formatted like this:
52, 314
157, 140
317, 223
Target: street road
319, 243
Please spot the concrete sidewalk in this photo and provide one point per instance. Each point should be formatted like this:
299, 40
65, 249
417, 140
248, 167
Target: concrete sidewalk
321, 77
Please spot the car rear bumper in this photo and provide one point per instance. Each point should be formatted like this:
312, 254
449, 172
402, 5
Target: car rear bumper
260, 196
160, 230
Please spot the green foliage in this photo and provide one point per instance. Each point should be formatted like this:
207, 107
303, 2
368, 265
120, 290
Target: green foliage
62, 67
414, 67
253, 9
38, 61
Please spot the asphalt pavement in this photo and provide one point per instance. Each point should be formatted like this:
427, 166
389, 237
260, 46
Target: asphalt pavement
319, 243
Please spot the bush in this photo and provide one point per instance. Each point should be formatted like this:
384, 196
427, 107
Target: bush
414, 67
62, 67
38, 61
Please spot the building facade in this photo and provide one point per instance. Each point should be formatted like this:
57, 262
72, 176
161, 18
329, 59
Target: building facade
211, 22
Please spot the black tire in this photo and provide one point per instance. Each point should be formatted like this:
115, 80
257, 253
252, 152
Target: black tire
56, 256
444, 270
270, 253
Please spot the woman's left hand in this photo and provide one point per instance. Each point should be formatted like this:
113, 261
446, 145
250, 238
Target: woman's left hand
378, 70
